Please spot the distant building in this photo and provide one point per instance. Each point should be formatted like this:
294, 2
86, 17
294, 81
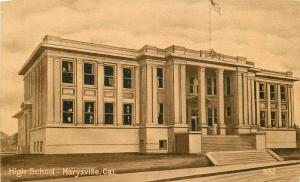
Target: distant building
89, 98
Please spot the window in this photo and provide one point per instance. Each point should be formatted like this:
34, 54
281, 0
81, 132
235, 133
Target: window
282, 93
41, 146
283, 119
228, 86
127, 114
67, 72
108, 113
127, 78
228, 111
163, 144
89, 76
212, 116
272, 92
261, 91
211, 86
89, 112
68, 111
161, 114
273, 119
109, 76
160, 77
262, 118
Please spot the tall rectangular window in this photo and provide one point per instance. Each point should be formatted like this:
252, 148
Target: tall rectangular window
212, 116
282, 93
273, 118
211, 86
262, 118
160, 77
272, 92
261, 91
89, 75
161, 114
68, 111
283, 119
89, 112
108, 113
228, 111
127, 78
109, 78
127, 114
228, 86
67, 72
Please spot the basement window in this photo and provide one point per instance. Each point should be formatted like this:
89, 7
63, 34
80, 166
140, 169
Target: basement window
163, 144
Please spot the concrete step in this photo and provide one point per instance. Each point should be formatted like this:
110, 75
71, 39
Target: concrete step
240, 157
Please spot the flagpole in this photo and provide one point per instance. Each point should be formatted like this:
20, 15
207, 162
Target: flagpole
209, 26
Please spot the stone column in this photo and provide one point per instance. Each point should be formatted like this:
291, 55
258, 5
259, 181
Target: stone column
240, 99
257, 105
100, 95
137, 95
154, 96
245, 96
268, 107
202, 99
183, 93
149, 93
220, 84
176, 95
292, 106
250, 121
119, 102
279, 121
253, 101
79, 92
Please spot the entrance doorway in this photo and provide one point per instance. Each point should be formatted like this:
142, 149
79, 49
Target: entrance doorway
194, 121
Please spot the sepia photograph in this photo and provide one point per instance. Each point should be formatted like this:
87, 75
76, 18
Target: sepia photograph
150, 90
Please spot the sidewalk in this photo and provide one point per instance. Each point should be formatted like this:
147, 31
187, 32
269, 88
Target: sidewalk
177, 174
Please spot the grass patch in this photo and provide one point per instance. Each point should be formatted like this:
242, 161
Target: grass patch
120, 163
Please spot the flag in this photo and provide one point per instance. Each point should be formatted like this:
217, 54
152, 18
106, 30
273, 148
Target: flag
216, 6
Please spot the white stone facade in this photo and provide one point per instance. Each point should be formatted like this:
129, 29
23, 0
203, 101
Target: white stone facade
90, 98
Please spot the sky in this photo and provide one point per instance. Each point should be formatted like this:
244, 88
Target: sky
266, 32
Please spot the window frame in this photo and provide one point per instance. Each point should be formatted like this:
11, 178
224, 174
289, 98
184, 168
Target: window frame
160, 78
92, 113
88, 74
73, 111
106, 113
228, 111
273, 120
73, 61
284, 121
228, 85
161, 114
282, 93
164, 143
211, 89
213, 117
262, 119
128, 114
273, 92
107, 76
131, 77
263, 91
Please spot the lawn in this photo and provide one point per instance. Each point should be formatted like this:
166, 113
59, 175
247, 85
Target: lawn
120, 163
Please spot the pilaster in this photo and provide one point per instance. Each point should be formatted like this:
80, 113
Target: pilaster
57, 92
183, 93
100, 95
245, 98
268, 107
119, 103
137, 95
154, 96
79, 92
257, 104
279, 121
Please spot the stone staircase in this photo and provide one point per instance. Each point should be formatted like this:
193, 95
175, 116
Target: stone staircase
226, 143
242, 157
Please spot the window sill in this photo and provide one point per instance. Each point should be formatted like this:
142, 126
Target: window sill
68, 84
89, 86
109, 88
